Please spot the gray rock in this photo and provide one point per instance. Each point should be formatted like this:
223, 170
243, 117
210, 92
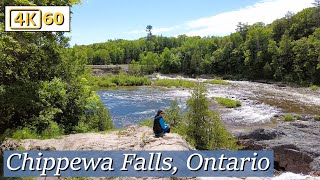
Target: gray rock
131, 138
296, 145
315, 165
262, 134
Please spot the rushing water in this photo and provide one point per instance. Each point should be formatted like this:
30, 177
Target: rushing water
133, 105
260, 102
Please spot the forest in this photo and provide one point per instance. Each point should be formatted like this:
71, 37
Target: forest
286, 50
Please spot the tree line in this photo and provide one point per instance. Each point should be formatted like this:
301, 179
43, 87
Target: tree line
286, 50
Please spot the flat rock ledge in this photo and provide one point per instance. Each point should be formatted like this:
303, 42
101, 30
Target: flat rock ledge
131, 138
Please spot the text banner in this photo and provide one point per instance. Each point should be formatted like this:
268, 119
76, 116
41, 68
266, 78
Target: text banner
138, 163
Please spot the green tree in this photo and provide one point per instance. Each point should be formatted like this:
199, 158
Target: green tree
149, 30
283, 64
197, 116
204, 127
101, 57
170, 63
256, 45
41, 80
149, 62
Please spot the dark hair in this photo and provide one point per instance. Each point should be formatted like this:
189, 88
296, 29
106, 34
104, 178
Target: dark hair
159, 112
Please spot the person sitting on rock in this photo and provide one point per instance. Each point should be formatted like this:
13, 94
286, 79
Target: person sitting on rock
159, 126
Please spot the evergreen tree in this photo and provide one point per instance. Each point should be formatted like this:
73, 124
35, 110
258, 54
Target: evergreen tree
205, 129
198, 121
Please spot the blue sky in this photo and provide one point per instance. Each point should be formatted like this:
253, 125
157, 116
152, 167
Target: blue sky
99, 20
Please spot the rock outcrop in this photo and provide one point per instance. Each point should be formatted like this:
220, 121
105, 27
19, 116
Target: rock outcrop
131, 138
296, 145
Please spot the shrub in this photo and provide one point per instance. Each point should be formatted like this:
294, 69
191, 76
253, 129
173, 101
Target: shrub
98, 118
220, 137
314, 88
228, 103
289, 118
175, 82
25, 133
217, 81
52, 131
205, 129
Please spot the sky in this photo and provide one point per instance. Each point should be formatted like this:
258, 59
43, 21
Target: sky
96, 21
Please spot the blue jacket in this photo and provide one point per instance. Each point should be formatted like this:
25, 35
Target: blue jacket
159, 126
163, 125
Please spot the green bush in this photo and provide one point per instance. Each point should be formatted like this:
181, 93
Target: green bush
289, 118
25, 133
220, 137
314, 88
175, 83
217, 81
228, 103
97, 118
52, 131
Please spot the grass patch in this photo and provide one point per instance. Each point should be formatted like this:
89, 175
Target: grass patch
228, 103
289, 118
118, 80
317, 117
217, 81
148, 123
179, 83
52, 131
25, 133
314, 88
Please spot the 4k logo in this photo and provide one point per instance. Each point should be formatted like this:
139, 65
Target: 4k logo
29, 19
26, 19
37, 18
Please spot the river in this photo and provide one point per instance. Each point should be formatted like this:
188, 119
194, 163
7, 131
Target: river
260, 102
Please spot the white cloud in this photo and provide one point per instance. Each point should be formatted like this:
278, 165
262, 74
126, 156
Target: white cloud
264, 11
225, 23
